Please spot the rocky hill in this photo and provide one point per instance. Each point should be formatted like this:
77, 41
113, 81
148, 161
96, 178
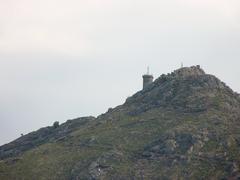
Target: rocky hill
185, 125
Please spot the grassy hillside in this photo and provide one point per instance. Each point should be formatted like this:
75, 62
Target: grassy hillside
186, 125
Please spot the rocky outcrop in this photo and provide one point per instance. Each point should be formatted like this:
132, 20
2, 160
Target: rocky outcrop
187, 90
189, 71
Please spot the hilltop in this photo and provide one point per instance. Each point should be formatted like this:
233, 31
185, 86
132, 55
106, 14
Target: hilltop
185, 125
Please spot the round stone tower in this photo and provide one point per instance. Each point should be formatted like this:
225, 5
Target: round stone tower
147, 79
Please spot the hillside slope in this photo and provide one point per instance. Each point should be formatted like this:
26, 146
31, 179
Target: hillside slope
186, 125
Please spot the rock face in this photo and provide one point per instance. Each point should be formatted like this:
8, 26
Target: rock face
186, 72
185, 125
186, 90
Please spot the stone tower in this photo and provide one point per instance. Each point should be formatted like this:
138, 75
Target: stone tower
147, 79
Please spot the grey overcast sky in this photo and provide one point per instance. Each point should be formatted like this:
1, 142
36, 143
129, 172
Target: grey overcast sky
62, 59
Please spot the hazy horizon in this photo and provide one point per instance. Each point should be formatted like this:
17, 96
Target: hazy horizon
61, 60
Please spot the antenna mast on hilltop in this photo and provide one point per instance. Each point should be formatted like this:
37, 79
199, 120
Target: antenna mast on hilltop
148, 70
181, 64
